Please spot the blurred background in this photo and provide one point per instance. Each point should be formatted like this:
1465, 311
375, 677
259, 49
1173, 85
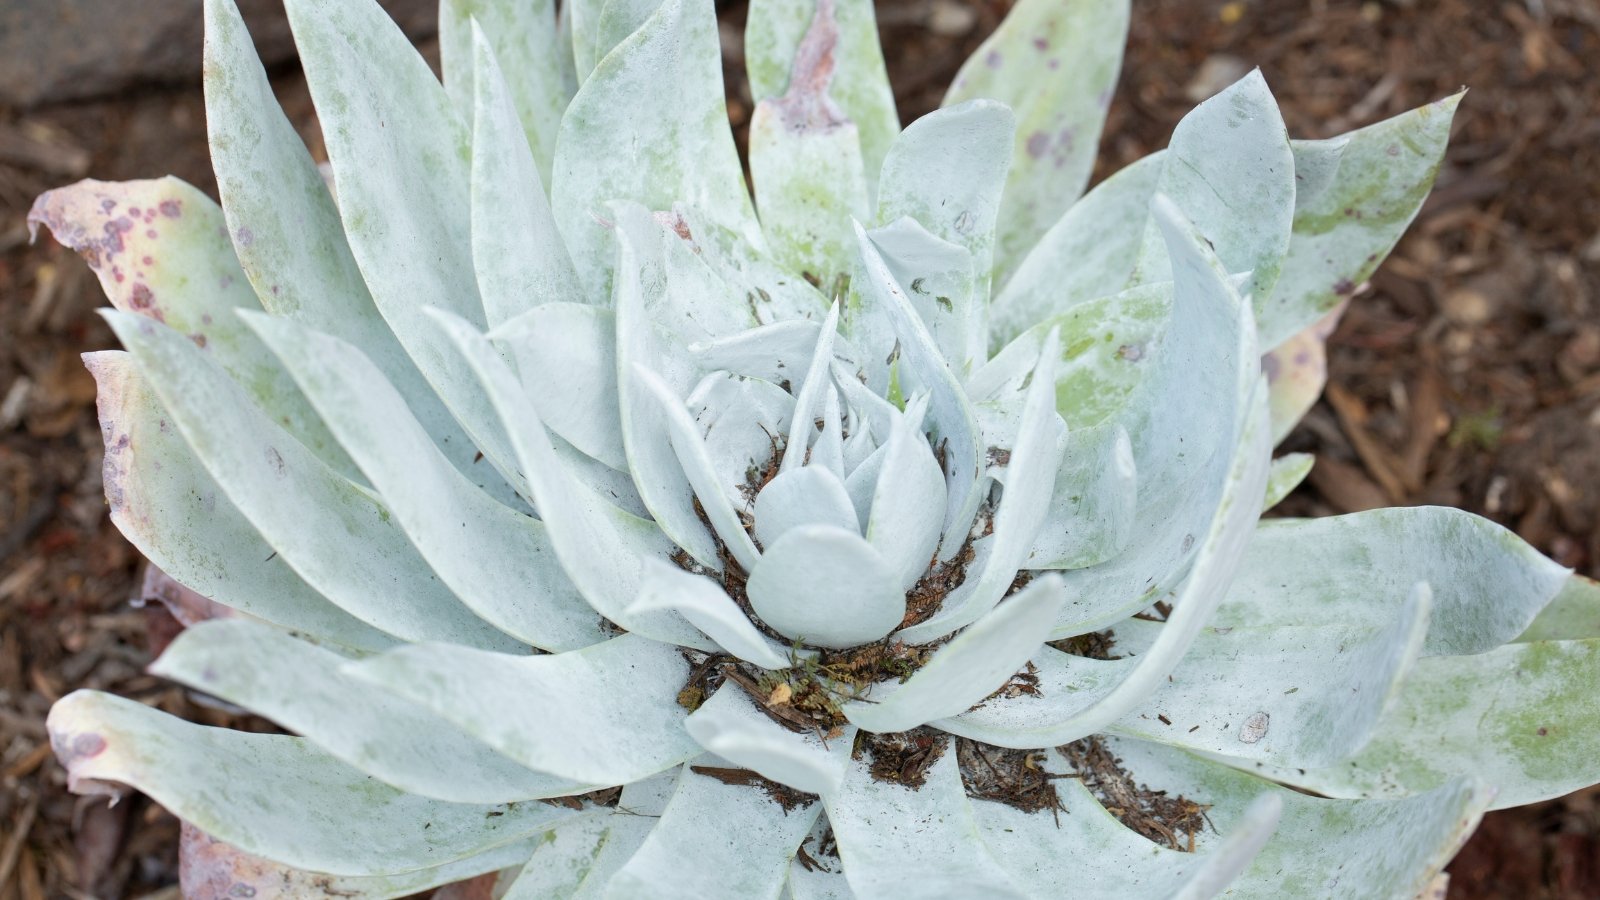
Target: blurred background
1467, 373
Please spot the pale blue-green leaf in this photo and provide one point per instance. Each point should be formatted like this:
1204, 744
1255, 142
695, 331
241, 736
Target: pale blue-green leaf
689, 449
275, 796
921, 367
942, 284
498, 561
773, 33
1230, 169
1287, 472
879, 413
665, 81
401, 162
288, 235
524, 39
1297, 370
1488, 584
816, 381
715, 840
908, 501
1360, 192
601, 547
561, 861
1573, 613
747, 288
827, 587
160, 249
164, 501
1092, 702
645, 295
828, 451
1086, 254
1523, 718
862, 485
1030, 478
1108, 347
973, 665
564, 51
1309, 695
1100, 857
606, 714
948, 171
580, 860
805, 158
583, 22
335, 535
565, 355
1092, 509
1185, 422
517, 251
302, 688
709, 608
924, 842
1055, 64
729, 725
619, 19
778, 352
809, 495
1322, 848
741, 419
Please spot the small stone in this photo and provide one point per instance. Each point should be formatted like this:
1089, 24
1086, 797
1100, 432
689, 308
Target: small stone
1217, 72
1468, 307
951, 19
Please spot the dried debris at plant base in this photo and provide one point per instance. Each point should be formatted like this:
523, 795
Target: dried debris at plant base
1172, 821
902, 757
781, 794
1093, 645
604, 797
824, 854
1016, 778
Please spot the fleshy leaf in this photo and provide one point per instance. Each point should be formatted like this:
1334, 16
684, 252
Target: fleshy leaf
302, 688
160, 249
606, 714
891, 836
165, 502
709, 608
1287, 472
1573, 613
942, 285
565, 354
602, 548
335, 535
1297, 370
809, 495
715, 840
288, 235
523, 37
275, 796
498, 561
1279, 708
580, 862
1488, 584
401, 163
1092, 509
772, 37
1321, 847
909, 499
1523, 718
947, 170
805, 157
826, 586
516, 249
1357, 194
209, 868
1055, 65
667, 85
975, 663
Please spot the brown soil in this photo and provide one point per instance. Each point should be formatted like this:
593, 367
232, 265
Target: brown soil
1469, 374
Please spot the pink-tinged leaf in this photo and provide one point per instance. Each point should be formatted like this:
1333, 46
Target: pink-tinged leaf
209, 869
159, 247
189, 607
1296, 371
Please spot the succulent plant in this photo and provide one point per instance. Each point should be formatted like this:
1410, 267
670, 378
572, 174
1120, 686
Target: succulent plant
894, 534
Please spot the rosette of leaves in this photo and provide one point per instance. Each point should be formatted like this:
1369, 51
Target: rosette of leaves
892, 533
